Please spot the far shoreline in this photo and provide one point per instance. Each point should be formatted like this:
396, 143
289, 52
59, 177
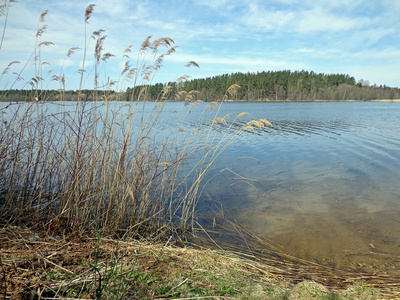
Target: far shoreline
310, 101
207, 101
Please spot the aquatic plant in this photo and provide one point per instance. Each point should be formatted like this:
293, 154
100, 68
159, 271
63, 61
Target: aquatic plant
93, 165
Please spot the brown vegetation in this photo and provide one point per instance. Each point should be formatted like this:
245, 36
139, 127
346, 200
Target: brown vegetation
85, 186
42, 265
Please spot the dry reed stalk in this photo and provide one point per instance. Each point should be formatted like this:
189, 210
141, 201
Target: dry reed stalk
98, 177
264, 256
91, 170
47, 255
243, 114
4, 10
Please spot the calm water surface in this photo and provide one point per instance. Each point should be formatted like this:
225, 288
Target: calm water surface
322, 182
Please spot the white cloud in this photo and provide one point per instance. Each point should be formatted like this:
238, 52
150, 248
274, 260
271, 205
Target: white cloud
303, 17
259, 18
140, 12
370, 36
222, 35
337, 4
305, 50
214, 4
242, 61
113, 8
321, 20
376, 56
376, 74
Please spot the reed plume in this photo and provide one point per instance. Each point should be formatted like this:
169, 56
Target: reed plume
43, 15
242, 114
192, 63
96, 165
89, 12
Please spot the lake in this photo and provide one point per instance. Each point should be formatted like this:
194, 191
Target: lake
322, 182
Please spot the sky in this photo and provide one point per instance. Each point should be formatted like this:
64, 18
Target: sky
360, 38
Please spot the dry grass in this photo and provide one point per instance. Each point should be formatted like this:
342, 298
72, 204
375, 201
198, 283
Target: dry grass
231, 91
93, 166
97, 169
97, 166
59, 267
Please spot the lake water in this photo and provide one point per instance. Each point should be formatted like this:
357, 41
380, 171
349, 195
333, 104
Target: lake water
323, 182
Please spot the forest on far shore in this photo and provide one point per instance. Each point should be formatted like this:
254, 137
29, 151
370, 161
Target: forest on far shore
261, 86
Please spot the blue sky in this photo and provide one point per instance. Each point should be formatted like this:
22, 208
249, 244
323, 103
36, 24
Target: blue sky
356, 37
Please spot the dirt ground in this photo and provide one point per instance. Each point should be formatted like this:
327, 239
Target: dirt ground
38, 265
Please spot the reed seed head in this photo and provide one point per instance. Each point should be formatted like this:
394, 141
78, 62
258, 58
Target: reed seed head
46, 43
146, 44
183, 78
232, 89
219, 120
265, 122
212, 105
9, 66
243, 114
256, 123
192, 63
43, 15
248, 127
89, 12
41, 31
72, 51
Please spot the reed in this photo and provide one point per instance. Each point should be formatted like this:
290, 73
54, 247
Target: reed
96, 165
103, 268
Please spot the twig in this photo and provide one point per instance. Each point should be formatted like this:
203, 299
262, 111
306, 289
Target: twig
54, 264
179, 284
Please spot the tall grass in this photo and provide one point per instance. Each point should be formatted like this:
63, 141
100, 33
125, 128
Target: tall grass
93, 165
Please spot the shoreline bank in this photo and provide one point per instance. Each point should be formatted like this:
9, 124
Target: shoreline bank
35, 263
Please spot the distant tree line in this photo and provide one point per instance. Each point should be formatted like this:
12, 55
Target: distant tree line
54, 95
281, 85
260, 86
278, 86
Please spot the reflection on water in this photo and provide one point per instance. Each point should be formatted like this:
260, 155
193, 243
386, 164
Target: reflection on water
323, 182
